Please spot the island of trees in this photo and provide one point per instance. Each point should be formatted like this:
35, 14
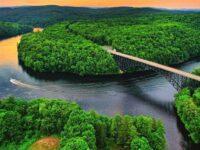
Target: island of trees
23, 122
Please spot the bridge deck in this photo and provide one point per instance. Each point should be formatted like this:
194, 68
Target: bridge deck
153, 64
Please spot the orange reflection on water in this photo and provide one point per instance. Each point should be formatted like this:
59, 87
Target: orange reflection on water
8, 52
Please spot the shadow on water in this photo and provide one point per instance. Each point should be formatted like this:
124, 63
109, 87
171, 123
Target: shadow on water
48, 76
166, 107
125, 79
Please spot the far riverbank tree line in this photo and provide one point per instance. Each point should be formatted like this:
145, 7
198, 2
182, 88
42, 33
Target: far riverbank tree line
8, 29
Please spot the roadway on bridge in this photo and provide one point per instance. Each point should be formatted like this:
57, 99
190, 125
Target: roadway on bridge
153, 64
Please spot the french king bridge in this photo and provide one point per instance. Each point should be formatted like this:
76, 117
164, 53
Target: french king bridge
176, 77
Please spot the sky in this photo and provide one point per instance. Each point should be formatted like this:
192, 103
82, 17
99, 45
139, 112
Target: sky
195, 4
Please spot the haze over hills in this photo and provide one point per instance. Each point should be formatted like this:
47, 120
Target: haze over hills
50, 14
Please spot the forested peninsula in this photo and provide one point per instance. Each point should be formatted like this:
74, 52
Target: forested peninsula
23, 122
57, 50
76, 47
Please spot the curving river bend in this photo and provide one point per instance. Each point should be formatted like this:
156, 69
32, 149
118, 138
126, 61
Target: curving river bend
147, 94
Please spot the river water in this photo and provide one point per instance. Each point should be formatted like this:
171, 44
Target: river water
146, 94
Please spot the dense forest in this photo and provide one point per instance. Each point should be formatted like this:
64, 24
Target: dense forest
57, 50
8, 29
164, 41
160, 38
23, 122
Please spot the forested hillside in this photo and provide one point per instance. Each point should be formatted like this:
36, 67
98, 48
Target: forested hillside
47, 15
41, 16
23, 122
11, 29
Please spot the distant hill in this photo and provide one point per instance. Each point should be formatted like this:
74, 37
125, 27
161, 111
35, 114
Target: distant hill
46, 15
8, 29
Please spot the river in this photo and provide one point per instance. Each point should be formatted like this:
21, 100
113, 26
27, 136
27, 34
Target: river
146, 94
